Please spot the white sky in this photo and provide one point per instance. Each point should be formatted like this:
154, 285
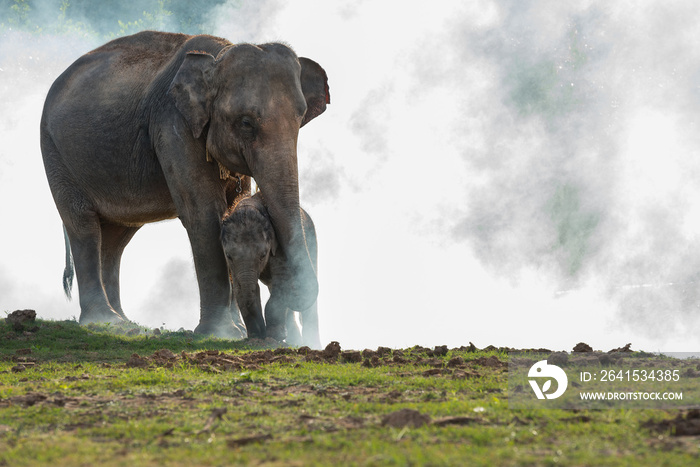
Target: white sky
452, 132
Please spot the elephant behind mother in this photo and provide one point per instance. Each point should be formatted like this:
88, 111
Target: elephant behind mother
150, 127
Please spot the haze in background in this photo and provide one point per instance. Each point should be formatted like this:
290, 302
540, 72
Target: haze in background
521, 174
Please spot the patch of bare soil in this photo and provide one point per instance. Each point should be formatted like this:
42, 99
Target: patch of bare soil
238, 442
331, 424
406, 417
398, 419
56, 399
584, 354
22, 360
413, 418
684, 424
216, 361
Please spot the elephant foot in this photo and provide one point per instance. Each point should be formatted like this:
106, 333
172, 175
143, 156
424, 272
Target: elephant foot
278, 333
237, 318
224, 330
293, 335
256, 327
121, 314
101, 316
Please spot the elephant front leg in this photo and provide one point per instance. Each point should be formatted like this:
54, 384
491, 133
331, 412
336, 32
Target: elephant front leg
213, 279
237, 319
276, 317
247, 294
200, 199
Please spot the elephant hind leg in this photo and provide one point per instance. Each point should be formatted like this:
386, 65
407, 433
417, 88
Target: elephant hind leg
114, 240
82, 227
85, 237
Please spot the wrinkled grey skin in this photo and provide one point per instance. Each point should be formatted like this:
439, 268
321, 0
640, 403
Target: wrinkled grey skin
125, 135
252, 253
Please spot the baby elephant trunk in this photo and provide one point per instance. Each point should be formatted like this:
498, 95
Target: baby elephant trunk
247, 295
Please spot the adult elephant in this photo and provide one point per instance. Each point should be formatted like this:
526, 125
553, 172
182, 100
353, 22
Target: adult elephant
151, 127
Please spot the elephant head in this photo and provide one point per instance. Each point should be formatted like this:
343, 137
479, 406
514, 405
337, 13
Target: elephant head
247, 104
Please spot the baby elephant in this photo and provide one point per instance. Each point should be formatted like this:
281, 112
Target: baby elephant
250, 246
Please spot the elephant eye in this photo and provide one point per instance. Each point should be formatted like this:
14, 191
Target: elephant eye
246, 127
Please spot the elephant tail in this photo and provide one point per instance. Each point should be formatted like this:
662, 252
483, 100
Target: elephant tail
68, 272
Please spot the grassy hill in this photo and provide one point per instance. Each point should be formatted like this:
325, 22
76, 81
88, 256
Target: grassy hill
125, 395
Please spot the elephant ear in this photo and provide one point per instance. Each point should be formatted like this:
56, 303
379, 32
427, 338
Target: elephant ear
191, 90
314, 85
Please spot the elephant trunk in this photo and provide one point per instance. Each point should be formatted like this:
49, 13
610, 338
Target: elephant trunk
247, 295
280, 189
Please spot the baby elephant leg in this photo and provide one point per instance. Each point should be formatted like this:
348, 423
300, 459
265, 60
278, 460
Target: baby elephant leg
293, 334
309, 327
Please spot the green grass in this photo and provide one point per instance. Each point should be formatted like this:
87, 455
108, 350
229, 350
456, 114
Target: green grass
83, 403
